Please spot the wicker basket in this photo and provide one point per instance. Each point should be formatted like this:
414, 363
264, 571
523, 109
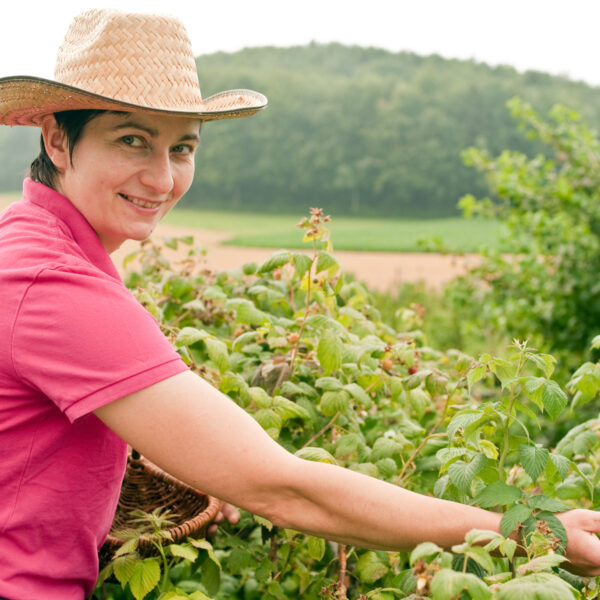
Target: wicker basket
146, 487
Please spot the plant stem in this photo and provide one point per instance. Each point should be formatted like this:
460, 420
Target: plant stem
342, 572
322, 431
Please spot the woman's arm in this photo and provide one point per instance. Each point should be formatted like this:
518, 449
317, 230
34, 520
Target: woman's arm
200, 436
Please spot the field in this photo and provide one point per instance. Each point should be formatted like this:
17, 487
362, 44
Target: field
382, 253
368, 235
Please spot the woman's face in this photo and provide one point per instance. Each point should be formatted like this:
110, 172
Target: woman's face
128, 170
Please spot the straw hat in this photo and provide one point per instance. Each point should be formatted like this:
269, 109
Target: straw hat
112, 60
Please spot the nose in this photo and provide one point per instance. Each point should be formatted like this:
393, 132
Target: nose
158, 173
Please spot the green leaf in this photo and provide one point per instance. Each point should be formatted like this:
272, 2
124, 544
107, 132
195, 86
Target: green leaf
462, 474
278, 259
424, 552
449, 585
260, 397
370, 567
184, 551
210, 577
124, 567
541, 563
541, 502
561, 463
497, 494
315, 547
329, 351
554, 399
334, 402
325, 261
481, 557
287, 409
302, 263
269, 420
474, 375
328, 384
188, 336
144, 578
534, 460
513, 517
359, 394
217, 352
537, 586
316, 454
385, 447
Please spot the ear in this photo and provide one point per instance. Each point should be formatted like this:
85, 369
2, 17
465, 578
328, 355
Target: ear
55, 142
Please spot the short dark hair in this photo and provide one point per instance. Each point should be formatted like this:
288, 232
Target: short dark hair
72, 122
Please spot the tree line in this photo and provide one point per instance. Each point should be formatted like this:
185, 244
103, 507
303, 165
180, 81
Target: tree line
357, 131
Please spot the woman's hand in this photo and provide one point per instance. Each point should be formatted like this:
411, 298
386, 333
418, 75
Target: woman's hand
226, 512
583, 545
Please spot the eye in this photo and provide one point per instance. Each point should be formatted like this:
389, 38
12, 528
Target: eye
132, 140
183, 149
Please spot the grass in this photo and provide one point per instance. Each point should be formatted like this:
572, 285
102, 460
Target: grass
378, 235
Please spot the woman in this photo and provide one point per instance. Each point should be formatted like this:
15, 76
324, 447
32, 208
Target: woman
84, 369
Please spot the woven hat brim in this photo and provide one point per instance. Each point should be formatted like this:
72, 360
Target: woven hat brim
25, 100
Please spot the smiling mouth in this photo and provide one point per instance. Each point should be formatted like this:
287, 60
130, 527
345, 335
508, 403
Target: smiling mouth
138, 202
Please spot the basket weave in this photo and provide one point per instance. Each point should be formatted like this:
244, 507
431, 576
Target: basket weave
146, 487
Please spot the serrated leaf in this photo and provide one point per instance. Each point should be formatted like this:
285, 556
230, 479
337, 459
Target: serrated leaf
514, 516
449, 585
278, 259
287, 409
359, 394
370, 567
124, 567
325, 261
497, 494
385, 447
260, 397
542, 502
424, 552
329, 351
315, 547
537, 586
462, 420
302, 263
561, 463
316, 454
144, 578
334, 402
476, 374
189, 335
541, 563
184, 551
481, 557
462, 474
534, 460
328, 384
554, 399
217, 352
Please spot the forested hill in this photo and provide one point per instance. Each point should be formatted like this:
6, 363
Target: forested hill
353, 130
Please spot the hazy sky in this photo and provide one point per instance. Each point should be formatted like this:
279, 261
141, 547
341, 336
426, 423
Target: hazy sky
560, 37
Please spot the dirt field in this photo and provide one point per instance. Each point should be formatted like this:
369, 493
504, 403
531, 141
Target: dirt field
379, 270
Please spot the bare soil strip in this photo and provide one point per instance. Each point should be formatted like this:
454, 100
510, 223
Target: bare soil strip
383, 271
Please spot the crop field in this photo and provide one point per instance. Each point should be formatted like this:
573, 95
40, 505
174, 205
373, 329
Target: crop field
369, 235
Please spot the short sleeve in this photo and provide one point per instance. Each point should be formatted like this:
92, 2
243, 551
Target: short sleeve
83, 340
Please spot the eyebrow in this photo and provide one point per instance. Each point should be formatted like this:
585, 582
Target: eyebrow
133, 124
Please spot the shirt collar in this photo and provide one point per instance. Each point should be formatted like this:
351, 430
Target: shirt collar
81, 231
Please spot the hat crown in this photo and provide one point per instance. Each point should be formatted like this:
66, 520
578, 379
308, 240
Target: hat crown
141, 59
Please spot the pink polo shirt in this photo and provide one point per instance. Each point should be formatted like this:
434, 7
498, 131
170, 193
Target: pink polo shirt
72, 339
